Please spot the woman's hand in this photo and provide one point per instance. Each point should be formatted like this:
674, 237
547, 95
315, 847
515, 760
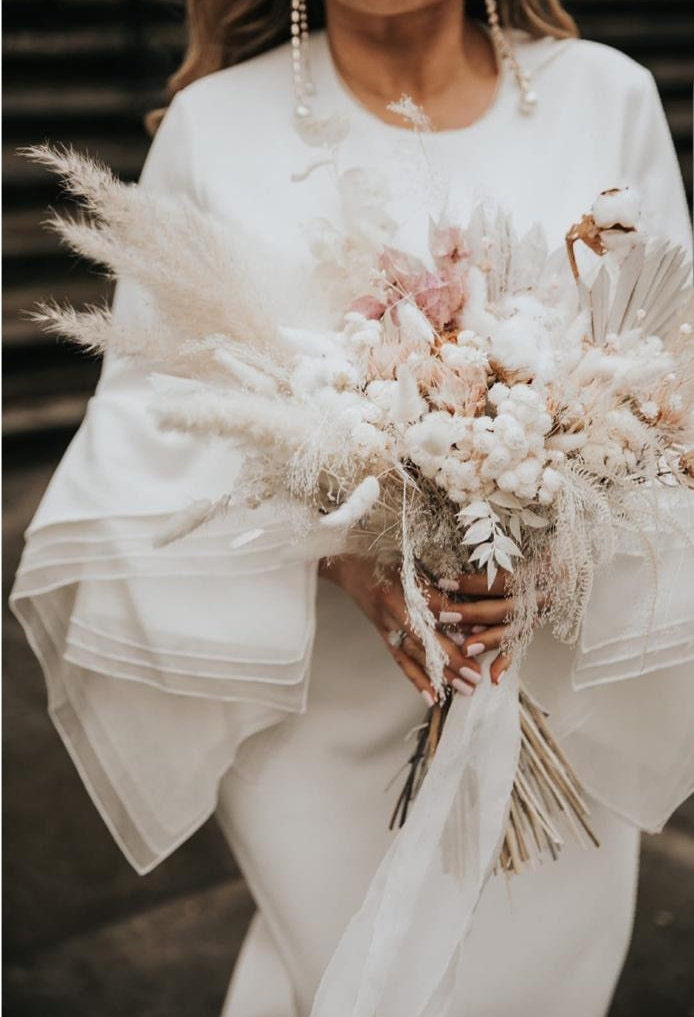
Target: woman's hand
483, 620
468, 629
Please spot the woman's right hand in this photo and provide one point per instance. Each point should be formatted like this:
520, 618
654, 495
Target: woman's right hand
383, 602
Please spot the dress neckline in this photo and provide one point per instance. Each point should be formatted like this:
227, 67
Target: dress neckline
356, 107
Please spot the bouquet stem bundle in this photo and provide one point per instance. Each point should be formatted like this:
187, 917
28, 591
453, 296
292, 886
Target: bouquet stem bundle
546, 791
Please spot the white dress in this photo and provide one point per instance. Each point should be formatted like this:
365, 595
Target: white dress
166, 667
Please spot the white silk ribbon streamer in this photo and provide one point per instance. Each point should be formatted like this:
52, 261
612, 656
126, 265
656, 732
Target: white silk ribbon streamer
397, 953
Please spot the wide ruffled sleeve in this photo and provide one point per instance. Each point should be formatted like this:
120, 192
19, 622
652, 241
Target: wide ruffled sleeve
158, 661
623, 701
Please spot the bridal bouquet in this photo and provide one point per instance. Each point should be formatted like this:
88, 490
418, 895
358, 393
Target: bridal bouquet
495, 407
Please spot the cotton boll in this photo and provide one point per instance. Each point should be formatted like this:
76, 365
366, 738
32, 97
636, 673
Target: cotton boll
459, 476
462, 357
509, 431
550, 486
435, 434
483, 437
617, 207
528, 477
507, 481
498, 394
523, 339
482, 424
428, 464
497, 461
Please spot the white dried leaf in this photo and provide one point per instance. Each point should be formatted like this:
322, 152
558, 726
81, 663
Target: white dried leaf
505, 499
533, 519
482, 554
505, 544
478, 532
503, 559
475, 510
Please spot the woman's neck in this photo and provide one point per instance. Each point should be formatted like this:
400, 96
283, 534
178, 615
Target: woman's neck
446, 64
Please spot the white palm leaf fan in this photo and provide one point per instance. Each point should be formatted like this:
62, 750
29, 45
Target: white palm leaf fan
647, 292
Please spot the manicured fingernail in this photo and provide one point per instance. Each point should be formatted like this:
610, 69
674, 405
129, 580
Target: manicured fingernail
460, 686
457, 637
495, 681
475, 648
472, 676
448, 585
427, 697
450, 617
478, 628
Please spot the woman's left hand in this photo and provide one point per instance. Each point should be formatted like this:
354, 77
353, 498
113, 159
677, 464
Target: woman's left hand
482, 622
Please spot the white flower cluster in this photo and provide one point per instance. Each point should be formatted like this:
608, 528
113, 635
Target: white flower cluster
504, 449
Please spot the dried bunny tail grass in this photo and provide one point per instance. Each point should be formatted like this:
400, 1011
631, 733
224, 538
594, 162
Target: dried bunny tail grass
179, 254
256, 420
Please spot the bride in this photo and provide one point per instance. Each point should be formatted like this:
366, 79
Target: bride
206, 677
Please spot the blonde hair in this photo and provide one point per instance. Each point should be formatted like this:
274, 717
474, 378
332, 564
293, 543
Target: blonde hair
226, 32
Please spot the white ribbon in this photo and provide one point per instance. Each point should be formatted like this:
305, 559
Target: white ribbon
399, 952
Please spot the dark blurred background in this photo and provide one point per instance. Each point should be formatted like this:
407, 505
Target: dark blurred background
83, 934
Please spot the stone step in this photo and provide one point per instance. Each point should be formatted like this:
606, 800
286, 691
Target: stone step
91, 103
174, 960
100, 40
56, 413
20, 332
124, 154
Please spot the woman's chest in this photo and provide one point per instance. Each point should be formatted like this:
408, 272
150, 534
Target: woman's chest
546, 171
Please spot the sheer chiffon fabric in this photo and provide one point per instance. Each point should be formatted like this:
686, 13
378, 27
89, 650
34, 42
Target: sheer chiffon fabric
158, 661
166, 666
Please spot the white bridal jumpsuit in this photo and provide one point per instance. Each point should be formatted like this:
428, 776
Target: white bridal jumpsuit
205, 677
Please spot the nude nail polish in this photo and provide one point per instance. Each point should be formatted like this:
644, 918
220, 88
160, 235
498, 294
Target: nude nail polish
498, 678
478, 628
450, 617
427, 697
457, 637
475, 648
470, 675
460, 686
